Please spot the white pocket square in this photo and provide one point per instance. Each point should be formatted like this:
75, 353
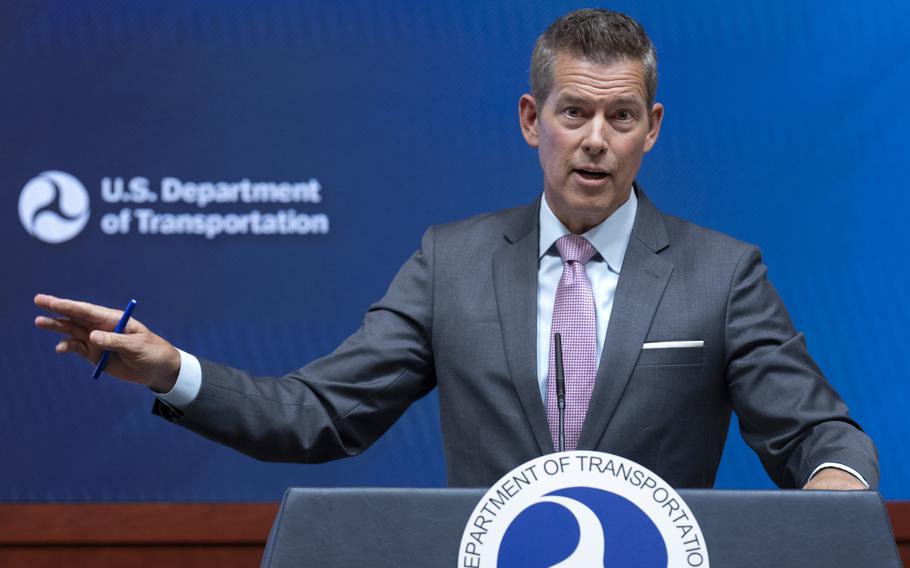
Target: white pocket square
672, 344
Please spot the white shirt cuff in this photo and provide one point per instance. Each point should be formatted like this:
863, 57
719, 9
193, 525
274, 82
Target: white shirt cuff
839, 466
189, 381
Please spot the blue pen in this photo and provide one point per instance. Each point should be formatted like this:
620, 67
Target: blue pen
121, 325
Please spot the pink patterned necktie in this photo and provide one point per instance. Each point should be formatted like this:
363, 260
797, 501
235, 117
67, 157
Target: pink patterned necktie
575, 319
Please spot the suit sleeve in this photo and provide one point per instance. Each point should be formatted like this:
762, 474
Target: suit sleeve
335, 406
788, 412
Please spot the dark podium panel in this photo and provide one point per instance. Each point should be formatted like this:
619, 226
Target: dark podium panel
422, 527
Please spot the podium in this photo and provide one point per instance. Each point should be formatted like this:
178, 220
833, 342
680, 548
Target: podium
423, 527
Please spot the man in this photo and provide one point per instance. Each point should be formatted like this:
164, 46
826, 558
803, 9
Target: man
665, 326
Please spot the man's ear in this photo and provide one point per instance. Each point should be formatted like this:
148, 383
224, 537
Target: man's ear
527, 117
654, 120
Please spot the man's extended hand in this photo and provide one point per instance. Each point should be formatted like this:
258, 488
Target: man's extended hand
833, 479
138, 355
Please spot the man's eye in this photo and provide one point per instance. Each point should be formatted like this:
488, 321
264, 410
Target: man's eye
624, 115
572, 112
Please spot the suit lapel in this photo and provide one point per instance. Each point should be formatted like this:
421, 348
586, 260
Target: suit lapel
515, 283
641, 285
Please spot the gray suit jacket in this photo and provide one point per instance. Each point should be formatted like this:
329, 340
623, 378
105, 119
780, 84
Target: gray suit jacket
461, 316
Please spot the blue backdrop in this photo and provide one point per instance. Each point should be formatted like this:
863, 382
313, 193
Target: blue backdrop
785, 126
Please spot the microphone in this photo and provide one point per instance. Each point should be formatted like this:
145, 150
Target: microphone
560, 392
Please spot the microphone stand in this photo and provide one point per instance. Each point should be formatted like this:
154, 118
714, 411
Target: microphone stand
560, 392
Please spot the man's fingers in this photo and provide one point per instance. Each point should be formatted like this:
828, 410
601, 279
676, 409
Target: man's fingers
74, 346
85, 314
61, 325
82, 312
117, 342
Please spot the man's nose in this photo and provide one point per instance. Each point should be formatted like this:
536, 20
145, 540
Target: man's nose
595, 143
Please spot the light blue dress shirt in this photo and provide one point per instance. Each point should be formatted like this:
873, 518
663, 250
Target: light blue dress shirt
610, 238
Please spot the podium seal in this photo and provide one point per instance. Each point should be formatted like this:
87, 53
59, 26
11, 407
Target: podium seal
582, 509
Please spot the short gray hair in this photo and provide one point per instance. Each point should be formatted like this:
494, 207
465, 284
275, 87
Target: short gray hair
599, 36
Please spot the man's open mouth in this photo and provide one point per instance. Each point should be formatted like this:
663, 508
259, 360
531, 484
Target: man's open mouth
591, 174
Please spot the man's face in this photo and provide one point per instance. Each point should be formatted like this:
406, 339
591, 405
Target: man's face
591, 133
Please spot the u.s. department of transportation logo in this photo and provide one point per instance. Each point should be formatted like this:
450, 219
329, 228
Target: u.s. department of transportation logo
582, 509
53, 207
